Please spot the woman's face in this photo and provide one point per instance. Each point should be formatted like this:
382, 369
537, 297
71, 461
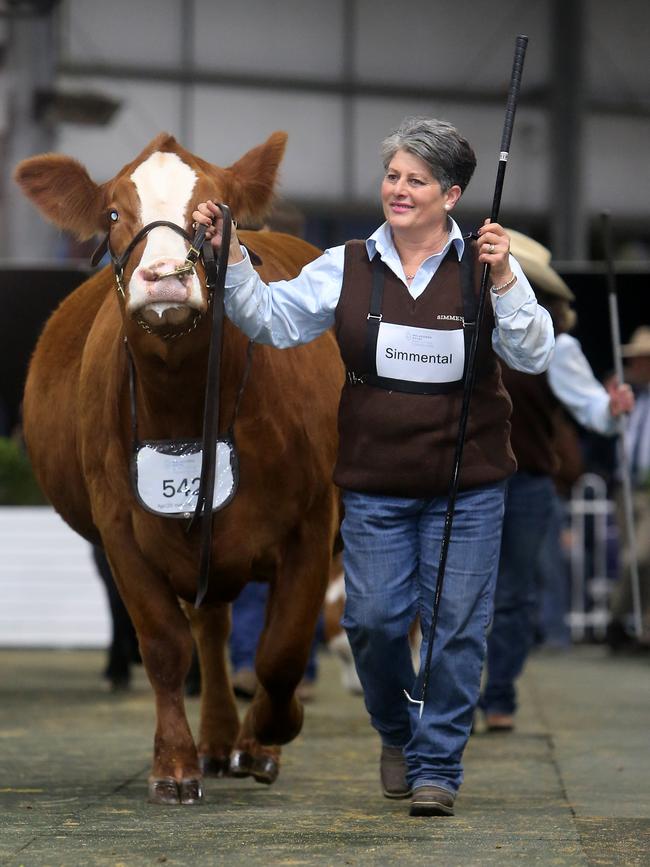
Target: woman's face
411, 197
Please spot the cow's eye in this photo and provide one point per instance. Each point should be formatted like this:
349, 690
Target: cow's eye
113, 216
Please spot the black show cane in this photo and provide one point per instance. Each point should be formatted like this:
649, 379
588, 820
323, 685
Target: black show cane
511, 106
628, 503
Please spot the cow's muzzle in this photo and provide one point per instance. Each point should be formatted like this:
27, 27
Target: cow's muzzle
157, 315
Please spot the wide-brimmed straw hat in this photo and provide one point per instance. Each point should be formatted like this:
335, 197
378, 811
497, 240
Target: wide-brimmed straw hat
639, 343
535, 260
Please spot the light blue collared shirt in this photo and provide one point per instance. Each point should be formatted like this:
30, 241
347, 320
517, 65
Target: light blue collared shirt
572, 381
289, 312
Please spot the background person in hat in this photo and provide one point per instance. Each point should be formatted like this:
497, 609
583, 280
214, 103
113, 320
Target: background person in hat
637, 372
538, 403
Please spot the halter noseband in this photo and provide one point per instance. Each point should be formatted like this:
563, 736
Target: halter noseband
119, 262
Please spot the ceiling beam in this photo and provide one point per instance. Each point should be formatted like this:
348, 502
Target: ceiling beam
533, 97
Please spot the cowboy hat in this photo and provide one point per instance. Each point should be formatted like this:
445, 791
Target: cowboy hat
535, 260
639, 344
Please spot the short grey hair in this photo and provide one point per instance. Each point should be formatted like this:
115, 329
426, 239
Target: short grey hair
448, 155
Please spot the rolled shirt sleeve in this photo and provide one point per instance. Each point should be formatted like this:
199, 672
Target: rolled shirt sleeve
523, 336
572, 381
285, 313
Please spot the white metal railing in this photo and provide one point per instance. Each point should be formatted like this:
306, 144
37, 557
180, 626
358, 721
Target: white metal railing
590, 512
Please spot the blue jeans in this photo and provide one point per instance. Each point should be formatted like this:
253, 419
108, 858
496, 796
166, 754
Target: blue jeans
248, 612
391, 553
554, 581
529, 506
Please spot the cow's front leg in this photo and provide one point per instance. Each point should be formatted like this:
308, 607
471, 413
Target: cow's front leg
276, 715
176, 775
166, 649
219, 719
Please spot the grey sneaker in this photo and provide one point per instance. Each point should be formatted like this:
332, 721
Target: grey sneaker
392, 772
432, 801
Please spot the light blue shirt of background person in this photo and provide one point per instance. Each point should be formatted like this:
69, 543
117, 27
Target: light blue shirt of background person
289, 312
572, 381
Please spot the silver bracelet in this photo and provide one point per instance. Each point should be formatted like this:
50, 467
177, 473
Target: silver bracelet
504, 285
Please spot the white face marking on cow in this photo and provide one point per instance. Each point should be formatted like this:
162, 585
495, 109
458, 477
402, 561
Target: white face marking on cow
164, 184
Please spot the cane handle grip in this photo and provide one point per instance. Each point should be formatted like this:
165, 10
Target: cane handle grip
521, 44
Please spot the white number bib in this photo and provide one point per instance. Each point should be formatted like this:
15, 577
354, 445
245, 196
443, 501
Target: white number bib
420, 354
167, 476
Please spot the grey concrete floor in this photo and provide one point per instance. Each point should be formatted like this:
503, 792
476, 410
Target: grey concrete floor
571, 786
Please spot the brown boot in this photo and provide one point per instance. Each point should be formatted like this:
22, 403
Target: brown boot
499, 722
244, 683
392, 771
432, 801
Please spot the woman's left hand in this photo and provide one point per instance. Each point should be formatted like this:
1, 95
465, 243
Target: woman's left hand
494, 250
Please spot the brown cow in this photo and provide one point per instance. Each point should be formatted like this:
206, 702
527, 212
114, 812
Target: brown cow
281, 523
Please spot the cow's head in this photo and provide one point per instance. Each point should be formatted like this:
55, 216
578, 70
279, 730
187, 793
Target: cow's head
165, 182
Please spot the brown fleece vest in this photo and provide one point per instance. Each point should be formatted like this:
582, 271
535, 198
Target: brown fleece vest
402, 444
535, 420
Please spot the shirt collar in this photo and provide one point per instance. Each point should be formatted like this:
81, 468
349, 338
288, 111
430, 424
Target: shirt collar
381, 241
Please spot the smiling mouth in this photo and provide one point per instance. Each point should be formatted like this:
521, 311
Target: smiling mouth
399, 206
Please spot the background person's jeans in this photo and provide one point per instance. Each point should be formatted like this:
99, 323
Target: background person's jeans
391, 553
529, 507
248, 613
553, 581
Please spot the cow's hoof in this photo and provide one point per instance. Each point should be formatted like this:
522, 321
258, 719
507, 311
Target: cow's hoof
264, 769
168, 791
214, 766
163, 790
190, 791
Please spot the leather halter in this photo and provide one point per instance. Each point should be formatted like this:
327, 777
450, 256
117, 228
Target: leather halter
215, 272
119, 262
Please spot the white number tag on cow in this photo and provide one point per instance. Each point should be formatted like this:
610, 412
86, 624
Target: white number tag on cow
167, 475
420, 354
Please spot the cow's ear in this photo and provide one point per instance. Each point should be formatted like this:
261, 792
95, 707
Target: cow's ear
251, 179
63, 191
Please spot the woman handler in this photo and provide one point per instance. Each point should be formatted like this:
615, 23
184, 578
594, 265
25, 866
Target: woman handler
403, 305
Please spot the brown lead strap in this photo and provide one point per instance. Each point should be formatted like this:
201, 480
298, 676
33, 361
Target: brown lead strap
470, 375
215, 281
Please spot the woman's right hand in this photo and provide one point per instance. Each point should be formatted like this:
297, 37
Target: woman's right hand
210, 216
621, 398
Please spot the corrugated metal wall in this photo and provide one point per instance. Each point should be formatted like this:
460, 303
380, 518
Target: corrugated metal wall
50, 592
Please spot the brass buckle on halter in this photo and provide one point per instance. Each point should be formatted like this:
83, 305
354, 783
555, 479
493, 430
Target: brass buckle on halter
190, 265
120, 285
184, 269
